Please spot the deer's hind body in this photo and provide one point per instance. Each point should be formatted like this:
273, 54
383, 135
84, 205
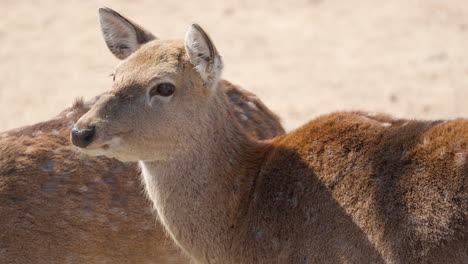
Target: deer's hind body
358, 188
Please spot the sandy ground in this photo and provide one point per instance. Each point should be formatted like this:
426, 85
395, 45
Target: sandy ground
303, 58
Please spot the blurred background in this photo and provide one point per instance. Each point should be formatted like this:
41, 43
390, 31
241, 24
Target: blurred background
303, 58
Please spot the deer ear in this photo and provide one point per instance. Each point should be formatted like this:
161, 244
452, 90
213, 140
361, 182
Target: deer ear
203, 55
122, 36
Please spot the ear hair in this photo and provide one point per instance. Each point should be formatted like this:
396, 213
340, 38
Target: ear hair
203, 55
122, 36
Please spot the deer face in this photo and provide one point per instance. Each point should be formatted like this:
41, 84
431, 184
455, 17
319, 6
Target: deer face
159, 95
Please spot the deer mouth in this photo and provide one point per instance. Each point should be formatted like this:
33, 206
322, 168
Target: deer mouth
101, 149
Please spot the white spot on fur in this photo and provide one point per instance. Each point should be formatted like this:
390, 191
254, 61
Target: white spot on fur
460, 158
275, 244
386, 124
85, 212
102, 218
55, 132
404, 124
146, 225
426, 141
230, 162
29, 150
335, 177
84, 188
293, 201
442, 152
244, 117
22, 159
258, 233
118, 211
365, 118
252, 105
371, 114
37, 133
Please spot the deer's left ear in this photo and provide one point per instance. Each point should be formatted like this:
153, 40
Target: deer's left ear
203, 55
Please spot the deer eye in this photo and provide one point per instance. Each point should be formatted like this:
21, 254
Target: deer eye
162, 89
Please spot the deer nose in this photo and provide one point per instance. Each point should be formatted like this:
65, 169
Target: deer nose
82, 137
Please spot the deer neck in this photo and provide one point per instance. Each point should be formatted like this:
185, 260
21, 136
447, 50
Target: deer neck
199, 194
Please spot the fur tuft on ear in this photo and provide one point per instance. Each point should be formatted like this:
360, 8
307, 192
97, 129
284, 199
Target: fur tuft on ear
203, 55
122, 36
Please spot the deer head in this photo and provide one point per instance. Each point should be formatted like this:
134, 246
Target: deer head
160, 93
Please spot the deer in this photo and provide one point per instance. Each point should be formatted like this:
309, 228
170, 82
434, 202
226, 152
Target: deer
346, 187
58, 205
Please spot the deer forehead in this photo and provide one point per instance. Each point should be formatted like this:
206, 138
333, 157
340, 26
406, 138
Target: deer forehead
155, 59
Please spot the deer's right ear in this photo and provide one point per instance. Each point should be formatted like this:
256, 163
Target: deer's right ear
203, 55
122, 36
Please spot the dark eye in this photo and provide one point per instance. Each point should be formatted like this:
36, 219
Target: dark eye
162, 89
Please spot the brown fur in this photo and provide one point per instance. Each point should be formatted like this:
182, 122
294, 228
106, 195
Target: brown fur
60, 206
254, 116
345, 188
366, 192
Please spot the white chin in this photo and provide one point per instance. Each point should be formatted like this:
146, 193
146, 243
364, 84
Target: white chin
96, 152
109, 150
108, 154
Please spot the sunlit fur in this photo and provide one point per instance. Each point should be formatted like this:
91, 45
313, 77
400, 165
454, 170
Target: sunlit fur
345, 188
58, 205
